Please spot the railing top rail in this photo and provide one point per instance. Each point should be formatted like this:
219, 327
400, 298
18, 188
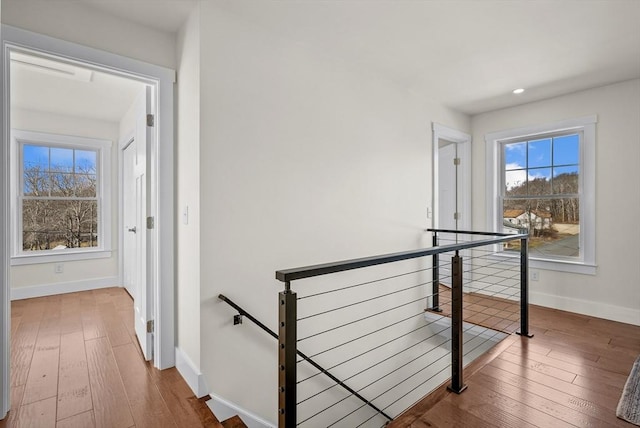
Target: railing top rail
287, 275
469, 232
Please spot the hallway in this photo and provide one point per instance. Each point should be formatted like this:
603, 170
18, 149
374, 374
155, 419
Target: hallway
75, 362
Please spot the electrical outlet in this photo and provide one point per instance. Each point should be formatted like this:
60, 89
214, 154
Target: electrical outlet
535, 275
59, 268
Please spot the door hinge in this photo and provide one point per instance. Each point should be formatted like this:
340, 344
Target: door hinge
456, 216
150, 326
150, 120
456, 161
150, 223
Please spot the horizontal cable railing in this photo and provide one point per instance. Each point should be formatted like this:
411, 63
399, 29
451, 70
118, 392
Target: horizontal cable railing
338, 382
365, 321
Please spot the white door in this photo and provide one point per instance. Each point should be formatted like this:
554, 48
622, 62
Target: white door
134, 198
448, 202
448, 180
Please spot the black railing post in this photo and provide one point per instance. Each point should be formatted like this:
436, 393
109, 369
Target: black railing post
287, 348
457, 384
435, 285
524, 288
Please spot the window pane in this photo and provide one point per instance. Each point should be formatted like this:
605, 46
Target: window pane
35, 215
515, 156
565, 180
515, 182
539, 153
539, 181
85, 185
61, 160
566, 150
54, 224
86, 161
62, 185
553, 224
36, 183
35, 157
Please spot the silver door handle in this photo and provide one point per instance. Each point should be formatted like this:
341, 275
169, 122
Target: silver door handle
132, 229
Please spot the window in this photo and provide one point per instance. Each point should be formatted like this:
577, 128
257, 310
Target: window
61, 208
543, 180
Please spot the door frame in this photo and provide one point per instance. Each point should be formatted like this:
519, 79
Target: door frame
463, 141
160, 254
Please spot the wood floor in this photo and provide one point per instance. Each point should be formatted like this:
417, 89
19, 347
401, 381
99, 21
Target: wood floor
484, 310
76, 363
570, 374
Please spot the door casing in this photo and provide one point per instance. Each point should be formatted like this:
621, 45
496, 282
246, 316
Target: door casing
160, 252
463, 142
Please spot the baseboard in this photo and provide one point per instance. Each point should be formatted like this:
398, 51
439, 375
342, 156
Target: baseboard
586, 307
191, 374
224, 409
19, 293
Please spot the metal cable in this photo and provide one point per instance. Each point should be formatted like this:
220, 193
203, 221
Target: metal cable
361, 301
364, 318
364, 283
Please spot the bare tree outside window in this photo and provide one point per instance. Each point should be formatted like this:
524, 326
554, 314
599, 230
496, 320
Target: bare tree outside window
59, 198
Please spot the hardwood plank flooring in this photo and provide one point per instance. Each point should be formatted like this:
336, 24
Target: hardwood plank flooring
484, 310
570, 374
76, 363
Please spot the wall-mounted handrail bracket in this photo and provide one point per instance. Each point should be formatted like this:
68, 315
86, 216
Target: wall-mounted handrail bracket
237, 319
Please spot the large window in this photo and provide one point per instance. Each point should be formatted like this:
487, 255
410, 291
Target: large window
59, 192
543, 181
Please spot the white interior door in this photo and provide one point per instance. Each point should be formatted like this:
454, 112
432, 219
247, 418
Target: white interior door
134, 198
131, 222
448, 198
447, 201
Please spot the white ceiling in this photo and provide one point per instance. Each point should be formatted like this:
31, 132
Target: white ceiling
48, 86
163, 15
466, 54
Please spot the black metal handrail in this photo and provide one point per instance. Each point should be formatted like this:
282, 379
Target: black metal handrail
287, 275
472, 232
263, 327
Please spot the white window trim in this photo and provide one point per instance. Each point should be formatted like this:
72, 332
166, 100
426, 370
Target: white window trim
103, 250
586, 125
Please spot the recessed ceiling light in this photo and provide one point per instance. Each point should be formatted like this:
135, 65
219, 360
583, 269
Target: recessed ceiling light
518, 91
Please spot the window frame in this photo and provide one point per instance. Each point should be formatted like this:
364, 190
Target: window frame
19, 138
586, 127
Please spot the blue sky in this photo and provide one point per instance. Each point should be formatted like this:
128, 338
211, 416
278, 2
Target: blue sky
59, 159
541, 158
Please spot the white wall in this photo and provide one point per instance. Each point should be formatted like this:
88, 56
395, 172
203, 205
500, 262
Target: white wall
614, 292
80, 23
82, 270
188, 189
302, 160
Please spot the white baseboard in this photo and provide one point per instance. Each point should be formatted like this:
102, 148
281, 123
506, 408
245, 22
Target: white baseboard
224, 409
19, 293
191, 374
586, 307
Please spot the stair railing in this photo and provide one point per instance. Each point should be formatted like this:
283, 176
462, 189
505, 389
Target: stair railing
288, 313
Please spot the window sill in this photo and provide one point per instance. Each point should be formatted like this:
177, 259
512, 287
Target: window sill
581, 268
31, 259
